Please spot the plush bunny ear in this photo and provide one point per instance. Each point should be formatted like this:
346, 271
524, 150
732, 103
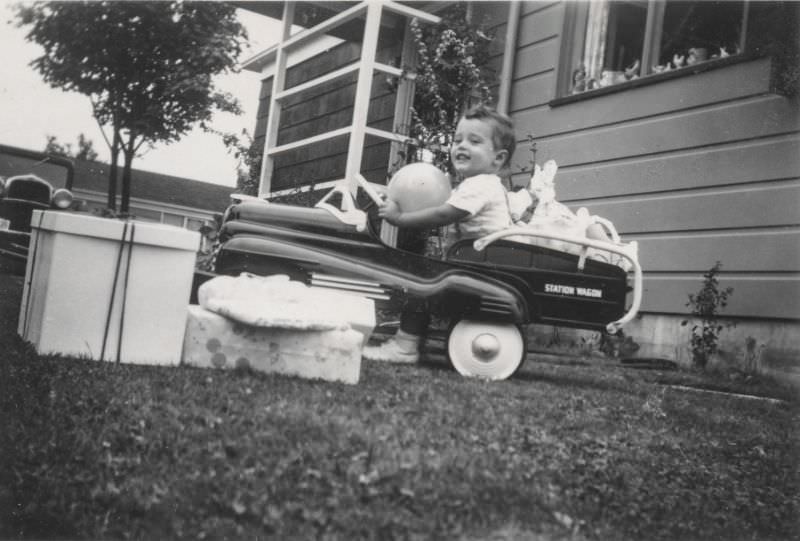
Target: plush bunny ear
536, 177
549, 172
534, 181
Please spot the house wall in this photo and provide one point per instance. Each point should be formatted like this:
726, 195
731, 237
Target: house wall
697, 168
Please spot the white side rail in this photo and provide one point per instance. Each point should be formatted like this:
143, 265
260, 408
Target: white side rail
612, 327
349, 213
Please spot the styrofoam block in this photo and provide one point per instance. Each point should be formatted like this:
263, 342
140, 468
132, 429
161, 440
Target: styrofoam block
214, 341
356, 310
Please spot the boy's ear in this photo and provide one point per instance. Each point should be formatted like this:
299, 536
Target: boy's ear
501, 156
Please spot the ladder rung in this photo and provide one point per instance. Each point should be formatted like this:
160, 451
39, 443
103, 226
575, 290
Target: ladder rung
318, 81
310, 140
387, 135
391, 70
304, 188
375, 132
325, 26
410, 12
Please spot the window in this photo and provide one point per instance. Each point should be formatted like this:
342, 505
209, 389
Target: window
194, 224
608, 42
145, 215
173, 219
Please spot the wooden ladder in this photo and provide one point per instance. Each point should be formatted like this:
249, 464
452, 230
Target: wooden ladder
372, 11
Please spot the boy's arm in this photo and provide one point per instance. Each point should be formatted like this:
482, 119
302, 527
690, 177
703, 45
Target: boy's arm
431, 217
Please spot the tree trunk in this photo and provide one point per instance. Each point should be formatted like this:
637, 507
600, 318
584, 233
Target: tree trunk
129, 150
112, 172
126, 182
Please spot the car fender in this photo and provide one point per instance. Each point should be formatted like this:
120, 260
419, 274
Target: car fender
380, 272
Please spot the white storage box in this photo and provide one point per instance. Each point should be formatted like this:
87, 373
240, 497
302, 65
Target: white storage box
214, 341
107, 289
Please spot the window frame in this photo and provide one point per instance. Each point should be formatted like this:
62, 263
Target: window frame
573, 41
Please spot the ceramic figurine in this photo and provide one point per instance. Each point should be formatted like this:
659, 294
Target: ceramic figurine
697, 54
579, 82
632, 72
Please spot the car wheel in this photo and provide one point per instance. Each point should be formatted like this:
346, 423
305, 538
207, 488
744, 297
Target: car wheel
486, 350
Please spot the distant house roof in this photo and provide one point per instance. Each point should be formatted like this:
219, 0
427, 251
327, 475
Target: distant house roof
186, 192
91, 175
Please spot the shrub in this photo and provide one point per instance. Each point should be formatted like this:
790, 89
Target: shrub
705, 305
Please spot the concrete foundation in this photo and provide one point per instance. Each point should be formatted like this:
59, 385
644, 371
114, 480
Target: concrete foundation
751, 345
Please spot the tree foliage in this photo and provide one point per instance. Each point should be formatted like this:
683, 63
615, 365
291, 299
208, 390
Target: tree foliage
452, 73
85, 149
249, 155
147, 67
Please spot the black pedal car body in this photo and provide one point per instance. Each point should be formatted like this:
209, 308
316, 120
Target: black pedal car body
488, 289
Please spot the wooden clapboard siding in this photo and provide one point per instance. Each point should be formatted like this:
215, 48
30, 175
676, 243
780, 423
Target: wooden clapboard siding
771, 249
539, 21
741, 120
752, 205
537, 59
759, 160
696, 168
768, 295
538, 87
534, 6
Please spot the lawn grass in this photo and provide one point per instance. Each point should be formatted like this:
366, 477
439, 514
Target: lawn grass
569, 449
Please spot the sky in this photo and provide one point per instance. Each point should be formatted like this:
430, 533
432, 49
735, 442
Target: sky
30, 110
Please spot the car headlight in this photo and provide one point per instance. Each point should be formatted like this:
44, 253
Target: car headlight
62, 198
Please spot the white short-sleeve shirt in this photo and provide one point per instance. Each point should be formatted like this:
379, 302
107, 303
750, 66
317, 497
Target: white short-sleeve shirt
484, 198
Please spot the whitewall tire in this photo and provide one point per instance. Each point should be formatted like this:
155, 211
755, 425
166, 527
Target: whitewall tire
486, 350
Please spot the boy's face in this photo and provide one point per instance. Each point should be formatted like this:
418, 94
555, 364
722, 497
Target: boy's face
473, 151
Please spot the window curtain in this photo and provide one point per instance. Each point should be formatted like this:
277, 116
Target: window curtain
596, 34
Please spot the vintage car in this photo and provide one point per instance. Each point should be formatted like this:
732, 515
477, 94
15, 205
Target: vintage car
28, 181
488, 290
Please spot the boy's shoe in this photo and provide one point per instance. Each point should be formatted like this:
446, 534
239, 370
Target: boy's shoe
391, 352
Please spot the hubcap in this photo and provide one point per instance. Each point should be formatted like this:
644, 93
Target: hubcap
485, 347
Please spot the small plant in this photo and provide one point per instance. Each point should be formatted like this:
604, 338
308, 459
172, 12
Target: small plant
617, 345
705, 305
531, 141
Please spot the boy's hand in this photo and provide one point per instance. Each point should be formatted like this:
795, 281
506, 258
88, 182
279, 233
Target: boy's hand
389, 211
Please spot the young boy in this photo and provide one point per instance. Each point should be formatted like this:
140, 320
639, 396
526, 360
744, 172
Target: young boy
482, 145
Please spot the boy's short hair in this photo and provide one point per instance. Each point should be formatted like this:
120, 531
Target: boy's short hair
503, 136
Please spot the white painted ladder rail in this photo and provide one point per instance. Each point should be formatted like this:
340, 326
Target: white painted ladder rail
364, 67
612, 327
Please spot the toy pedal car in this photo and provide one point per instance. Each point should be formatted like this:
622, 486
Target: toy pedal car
488, 289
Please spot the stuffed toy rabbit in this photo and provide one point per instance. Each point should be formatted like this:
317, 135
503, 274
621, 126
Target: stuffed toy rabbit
551, 215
